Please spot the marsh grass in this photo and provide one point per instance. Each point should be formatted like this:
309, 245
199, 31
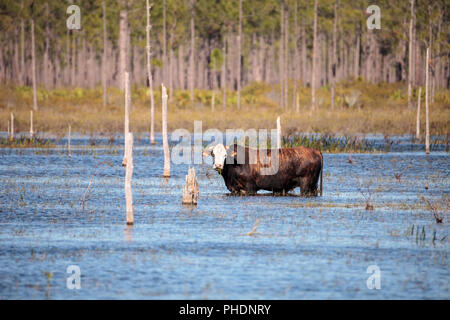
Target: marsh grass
361, 108
26, 142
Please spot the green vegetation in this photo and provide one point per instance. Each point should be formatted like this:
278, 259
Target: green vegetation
25, 142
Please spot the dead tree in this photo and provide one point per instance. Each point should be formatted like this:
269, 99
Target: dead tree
418, 115
166, 172
127, 114
128, 177
427, 84
150, 77
190, 189
314, 58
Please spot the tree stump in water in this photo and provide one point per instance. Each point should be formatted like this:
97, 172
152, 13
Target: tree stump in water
190, 189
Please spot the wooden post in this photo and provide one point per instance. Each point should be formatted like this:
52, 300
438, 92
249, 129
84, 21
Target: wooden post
12, 126
190, 189
150, 77
68, 141
278, 133
166, 172
31, 125
418, 115
427, 125
128, 177
9, 131
127, 115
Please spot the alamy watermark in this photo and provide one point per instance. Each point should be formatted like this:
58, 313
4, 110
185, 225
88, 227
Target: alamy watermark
374, 281
74, 280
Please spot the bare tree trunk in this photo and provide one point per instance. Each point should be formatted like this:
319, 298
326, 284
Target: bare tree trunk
418, 115
22, 49
31, 125
104, 54
12, 126
166, 172
334, 57
181, 70
128, 177
281, 56
286, 55
33, 66
191, 56
303, 52
164, 59
427, 84
239, 71
357, 51
314, 64
46, 50
126, 85
123, 50
149, 76
224, 73
278, 133
73, 61
410, 60
295, 63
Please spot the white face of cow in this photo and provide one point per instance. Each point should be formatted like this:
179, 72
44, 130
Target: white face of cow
219, 154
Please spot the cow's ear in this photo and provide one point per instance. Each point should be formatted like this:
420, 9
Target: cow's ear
205, 154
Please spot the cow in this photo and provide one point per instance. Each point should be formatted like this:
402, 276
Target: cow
297, 167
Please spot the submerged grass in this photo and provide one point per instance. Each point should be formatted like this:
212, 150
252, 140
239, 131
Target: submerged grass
26, 142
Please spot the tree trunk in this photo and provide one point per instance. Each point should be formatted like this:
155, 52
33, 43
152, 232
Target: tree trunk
164, 59
357, 51
418, 115
104, 54
33, 66
22, 49
410, 58
286, 55
191, 56
334, 57
149, 75
427, 84
123, 50
224, 73
314, 62
166, 172
281, 56
239, 71
295, 62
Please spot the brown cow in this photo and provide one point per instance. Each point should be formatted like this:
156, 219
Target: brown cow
296, 167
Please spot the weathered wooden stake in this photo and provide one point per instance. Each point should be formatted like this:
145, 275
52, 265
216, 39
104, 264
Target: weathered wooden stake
12, 126
31, 125
68, 141
9, 131
166, 172
278, 133
190, 189
127, 115
427, 81
418, 115
128, 177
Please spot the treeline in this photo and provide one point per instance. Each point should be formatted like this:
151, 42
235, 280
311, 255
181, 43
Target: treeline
209, 44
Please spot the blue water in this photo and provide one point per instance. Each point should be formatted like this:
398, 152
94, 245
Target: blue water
304, 248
